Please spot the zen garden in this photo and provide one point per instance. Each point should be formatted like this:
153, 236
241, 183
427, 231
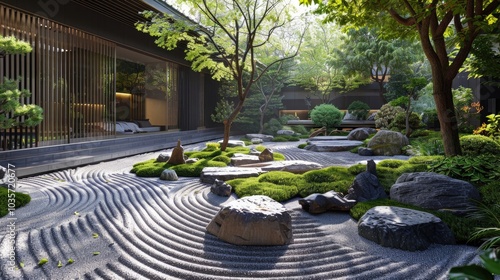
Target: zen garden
406, 190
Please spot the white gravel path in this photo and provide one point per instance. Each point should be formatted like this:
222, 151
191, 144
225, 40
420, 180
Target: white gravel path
152, 229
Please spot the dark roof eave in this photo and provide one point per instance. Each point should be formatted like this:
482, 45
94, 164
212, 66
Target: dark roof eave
163, 7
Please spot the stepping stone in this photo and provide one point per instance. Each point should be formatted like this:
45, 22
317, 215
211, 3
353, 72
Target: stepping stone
241, 159
294, 166
404, 229
333, 146
253, 220
327, 138
209, 174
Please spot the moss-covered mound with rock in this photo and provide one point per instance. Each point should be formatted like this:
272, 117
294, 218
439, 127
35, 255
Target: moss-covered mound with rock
211, 156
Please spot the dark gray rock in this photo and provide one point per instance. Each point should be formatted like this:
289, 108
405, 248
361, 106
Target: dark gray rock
221, 188
367, 152
330, 201
365, 187
169, 175
266, 155
361, 133
403, 228
233, 143
387, 143
163, 157
209, 174
434, 191
253, 220
371, 167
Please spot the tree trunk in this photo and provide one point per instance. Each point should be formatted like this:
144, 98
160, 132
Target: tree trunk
447, 118
229, 122
381, 91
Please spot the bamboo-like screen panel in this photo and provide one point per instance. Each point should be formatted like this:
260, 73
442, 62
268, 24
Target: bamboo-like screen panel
71, 75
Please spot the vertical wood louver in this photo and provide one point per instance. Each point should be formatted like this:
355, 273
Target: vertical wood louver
71, 76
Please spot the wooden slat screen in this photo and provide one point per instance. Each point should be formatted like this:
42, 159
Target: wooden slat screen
71, 76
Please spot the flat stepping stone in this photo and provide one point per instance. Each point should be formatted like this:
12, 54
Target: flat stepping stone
333, 146
253, 220
242, 159
404, 229
209, 174
327, 138
293, 166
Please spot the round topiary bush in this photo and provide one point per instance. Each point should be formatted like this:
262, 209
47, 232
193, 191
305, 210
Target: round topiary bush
326, 115
399, 122
359, 109
473, 145
386, 115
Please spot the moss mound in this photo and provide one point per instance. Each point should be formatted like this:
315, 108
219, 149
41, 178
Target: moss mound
21, 199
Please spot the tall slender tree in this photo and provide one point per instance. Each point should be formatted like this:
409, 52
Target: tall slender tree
446, 30
224, 40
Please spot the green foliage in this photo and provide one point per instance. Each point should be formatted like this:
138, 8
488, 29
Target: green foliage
212, 146
280, 178
490, 193
463, 99
491, 266
489, 216
300, 129
285, 138
478, 170
225, 105
205, 154
272, 126
359, 109
430, 118
399, 122
224, 159
21, 200
386, 115
473, 145
424, 159
302, 146
491, 128
149, 170
326, 115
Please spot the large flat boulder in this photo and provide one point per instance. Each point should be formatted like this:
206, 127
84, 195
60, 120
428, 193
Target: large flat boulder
293, 166
332, 146
264, 137
253, 220
402, 228
239, 159
434, 191
209, 174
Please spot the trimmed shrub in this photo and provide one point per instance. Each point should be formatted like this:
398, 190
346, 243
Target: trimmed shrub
302, 146
300, 129
386, 115
272, 126
212, 146
280, 178
204, 154
285, 138
222, 158
359, 109
326, 115
399, 122
473, 145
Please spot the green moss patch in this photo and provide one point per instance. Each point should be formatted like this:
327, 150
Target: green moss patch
21, 199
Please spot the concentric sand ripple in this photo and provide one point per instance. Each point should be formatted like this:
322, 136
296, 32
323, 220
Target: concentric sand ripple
118, 226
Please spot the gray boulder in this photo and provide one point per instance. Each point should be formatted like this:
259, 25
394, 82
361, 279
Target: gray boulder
434, 191
242, 159
330, 201
256, 141
362, 151
361, 133
387, 143
221, 188
163, 157
264, 137
233, 143
365, 187
169, 175
285, 132
402, 228
253, 220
